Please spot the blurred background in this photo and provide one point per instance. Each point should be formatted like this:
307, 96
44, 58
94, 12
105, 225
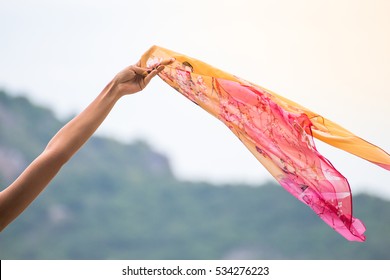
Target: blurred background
162, 179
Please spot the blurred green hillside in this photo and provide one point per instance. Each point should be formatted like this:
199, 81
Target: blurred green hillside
122, 201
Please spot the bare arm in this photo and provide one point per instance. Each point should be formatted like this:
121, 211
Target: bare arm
68, 140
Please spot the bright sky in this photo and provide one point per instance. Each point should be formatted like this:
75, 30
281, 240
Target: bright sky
330, 56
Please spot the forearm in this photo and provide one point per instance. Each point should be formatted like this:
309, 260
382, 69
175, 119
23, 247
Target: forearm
76, 132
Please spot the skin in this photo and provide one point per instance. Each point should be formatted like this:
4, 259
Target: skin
69, 139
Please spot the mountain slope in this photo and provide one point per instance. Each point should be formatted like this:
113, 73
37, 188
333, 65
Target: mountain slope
121, 201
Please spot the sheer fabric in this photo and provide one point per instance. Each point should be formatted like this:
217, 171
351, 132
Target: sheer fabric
279, 133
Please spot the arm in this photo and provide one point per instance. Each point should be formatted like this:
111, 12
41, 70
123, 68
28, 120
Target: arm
68, 140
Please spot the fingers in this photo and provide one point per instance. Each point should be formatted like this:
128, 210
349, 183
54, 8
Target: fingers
153, 73
139, 70
143, 71
142, 76
167, 61
146, 71
162, 63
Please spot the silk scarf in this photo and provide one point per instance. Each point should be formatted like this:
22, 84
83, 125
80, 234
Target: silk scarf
279, 133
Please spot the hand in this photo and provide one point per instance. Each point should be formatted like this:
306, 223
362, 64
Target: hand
135, 78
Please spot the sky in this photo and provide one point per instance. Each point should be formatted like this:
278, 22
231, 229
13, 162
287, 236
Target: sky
330, 56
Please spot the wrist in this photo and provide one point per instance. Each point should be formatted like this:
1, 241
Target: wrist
112, 91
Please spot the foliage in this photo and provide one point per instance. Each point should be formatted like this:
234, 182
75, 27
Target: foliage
121, 201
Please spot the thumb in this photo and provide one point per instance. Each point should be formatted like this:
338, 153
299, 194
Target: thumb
152, 74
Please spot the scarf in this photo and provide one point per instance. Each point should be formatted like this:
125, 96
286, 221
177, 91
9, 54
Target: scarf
279, 133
